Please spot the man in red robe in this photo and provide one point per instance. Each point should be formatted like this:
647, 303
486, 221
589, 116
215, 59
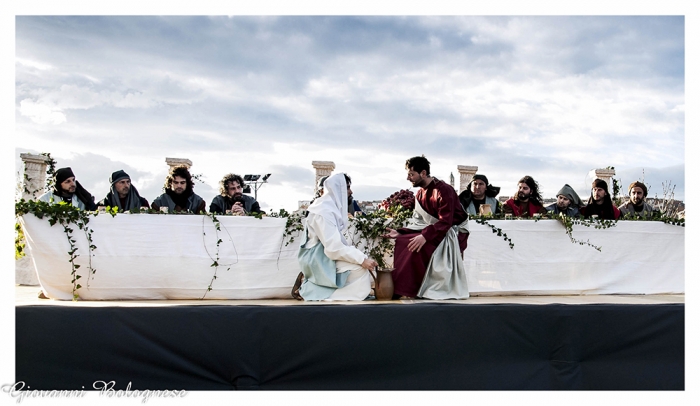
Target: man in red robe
438, 228
527, 201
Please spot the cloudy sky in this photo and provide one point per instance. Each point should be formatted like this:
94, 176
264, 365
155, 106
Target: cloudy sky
551, 97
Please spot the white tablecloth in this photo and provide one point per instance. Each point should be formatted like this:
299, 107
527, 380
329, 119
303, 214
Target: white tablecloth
636, 257
151, 256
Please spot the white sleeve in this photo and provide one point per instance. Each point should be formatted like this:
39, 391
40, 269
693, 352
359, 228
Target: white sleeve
333, 246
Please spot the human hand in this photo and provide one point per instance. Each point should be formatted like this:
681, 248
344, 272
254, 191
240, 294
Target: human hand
416, 243
369, 264
237, 208
391, 233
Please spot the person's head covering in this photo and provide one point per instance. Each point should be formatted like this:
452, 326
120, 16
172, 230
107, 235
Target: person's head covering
117, 176
600, 183
568, 192
61, 175
491, 191
333, 205
639, 185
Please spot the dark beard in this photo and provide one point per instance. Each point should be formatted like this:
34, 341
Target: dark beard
524, 198
179, 199
66, 195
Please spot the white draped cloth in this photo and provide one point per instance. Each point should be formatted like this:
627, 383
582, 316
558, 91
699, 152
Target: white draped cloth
325, 224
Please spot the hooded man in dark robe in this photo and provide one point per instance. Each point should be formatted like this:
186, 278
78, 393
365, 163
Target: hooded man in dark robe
478, 192
567, 202
122, 193
600, 203
179, 193
67, 189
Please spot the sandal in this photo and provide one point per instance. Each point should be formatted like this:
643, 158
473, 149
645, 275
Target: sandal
297, 286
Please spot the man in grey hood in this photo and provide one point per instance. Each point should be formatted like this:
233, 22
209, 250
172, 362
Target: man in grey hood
122, 194
567, 203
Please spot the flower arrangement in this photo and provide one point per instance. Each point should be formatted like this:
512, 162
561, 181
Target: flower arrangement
399, 202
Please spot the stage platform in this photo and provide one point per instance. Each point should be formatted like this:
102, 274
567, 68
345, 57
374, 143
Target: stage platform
592, 342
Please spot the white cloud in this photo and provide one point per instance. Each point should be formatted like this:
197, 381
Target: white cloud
41, 113
33, 64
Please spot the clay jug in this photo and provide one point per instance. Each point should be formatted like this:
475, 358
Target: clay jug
383, 284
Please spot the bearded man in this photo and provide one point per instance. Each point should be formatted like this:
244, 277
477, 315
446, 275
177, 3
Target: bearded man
428, 260
122, 193
527, 201
478, 193
600, 203
179, 193
636, 205
67, 189
231, 197
568, 202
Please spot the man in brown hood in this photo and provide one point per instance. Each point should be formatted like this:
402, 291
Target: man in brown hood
636, 205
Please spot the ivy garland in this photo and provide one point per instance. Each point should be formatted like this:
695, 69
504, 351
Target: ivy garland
50, 170
483, 220
655, 216
293, 225
568, 223
19, 241
215, 264
371, 227
65, 215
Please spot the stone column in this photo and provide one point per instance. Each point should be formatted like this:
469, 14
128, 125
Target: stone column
323, 168
466, 173
33, 183
173, 162
34, 177
607, 176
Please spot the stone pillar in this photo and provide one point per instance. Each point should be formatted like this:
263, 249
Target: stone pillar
34, 177
607, 176
33, 183
173, 162
466, 173
323, 168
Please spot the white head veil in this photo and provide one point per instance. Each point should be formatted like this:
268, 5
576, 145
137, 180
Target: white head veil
333, 205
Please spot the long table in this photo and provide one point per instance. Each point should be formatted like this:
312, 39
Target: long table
154, 256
